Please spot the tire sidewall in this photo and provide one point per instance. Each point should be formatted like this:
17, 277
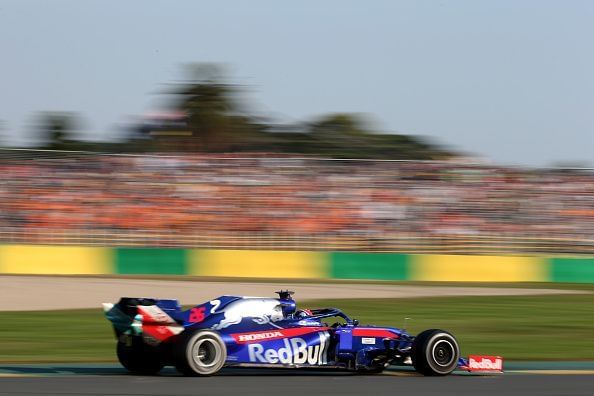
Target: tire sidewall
423, 347
429, 355
209, 337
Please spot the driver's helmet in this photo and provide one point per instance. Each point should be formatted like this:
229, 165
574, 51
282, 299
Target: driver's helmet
303, 313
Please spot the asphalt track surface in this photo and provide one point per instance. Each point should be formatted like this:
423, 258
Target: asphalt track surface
111, 380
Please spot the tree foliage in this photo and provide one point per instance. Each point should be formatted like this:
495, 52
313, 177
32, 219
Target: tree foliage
212, 118
57, 129
218, 122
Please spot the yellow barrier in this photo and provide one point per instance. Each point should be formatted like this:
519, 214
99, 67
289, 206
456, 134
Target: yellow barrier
76, 260
258, 264
478, 268
30, 259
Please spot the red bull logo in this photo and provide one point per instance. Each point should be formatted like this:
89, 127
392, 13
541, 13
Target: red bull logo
294, 351
259, 310
485, 363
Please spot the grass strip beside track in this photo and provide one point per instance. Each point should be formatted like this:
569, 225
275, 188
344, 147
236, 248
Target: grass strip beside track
557, 327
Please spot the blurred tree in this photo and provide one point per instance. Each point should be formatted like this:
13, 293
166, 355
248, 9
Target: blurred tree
341, 134
345, 135
339, 124
58, 130
218, 122
214, 115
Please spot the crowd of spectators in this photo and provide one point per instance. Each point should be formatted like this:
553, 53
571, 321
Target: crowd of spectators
159, 199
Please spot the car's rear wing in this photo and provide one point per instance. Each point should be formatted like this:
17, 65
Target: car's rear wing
147, 317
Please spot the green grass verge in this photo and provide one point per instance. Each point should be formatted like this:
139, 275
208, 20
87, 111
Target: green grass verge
520, 327
56, 336
557, 327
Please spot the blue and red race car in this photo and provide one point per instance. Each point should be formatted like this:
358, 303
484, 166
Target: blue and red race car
272, 332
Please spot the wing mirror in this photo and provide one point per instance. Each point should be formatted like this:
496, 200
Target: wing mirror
355, 322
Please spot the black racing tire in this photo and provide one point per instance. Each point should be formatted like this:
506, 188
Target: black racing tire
139, 358
200, 353
435, 352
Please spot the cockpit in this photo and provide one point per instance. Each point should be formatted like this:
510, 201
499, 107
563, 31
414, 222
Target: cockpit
290, 311
325, 313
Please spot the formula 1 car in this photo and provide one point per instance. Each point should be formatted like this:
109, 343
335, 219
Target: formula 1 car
271, 332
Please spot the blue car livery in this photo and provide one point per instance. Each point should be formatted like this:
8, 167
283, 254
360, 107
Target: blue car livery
271, 332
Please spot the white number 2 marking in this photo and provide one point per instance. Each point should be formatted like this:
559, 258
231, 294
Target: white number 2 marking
215, 304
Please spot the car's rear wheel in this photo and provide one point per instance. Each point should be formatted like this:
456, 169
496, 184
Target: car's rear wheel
200, 353
435, 352
139, 358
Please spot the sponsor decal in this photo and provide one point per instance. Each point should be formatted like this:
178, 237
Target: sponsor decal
306, 322
259, 336
246, 338
485, 363
294, 351
373, 332
156, 325
153, 314
368, 341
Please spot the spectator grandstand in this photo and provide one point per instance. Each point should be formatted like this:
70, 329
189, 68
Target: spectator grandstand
275, 202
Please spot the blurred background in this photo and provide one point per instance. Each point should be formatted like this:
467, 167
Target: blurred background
277, 200
167, 135
207, 170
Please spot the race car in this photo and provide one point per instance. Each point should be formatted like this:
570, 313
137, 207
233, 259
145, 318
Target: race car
232, 331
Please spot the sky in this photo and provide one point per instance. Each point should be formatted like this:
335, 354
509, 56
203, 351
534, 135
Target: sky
509, 80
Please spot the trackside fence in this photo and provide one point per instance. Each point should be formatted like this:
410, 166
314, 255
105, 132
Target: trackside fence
292, 264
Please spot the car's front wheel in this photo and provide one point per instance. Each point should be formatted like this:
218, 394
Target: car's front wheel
201, 353
435, 352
